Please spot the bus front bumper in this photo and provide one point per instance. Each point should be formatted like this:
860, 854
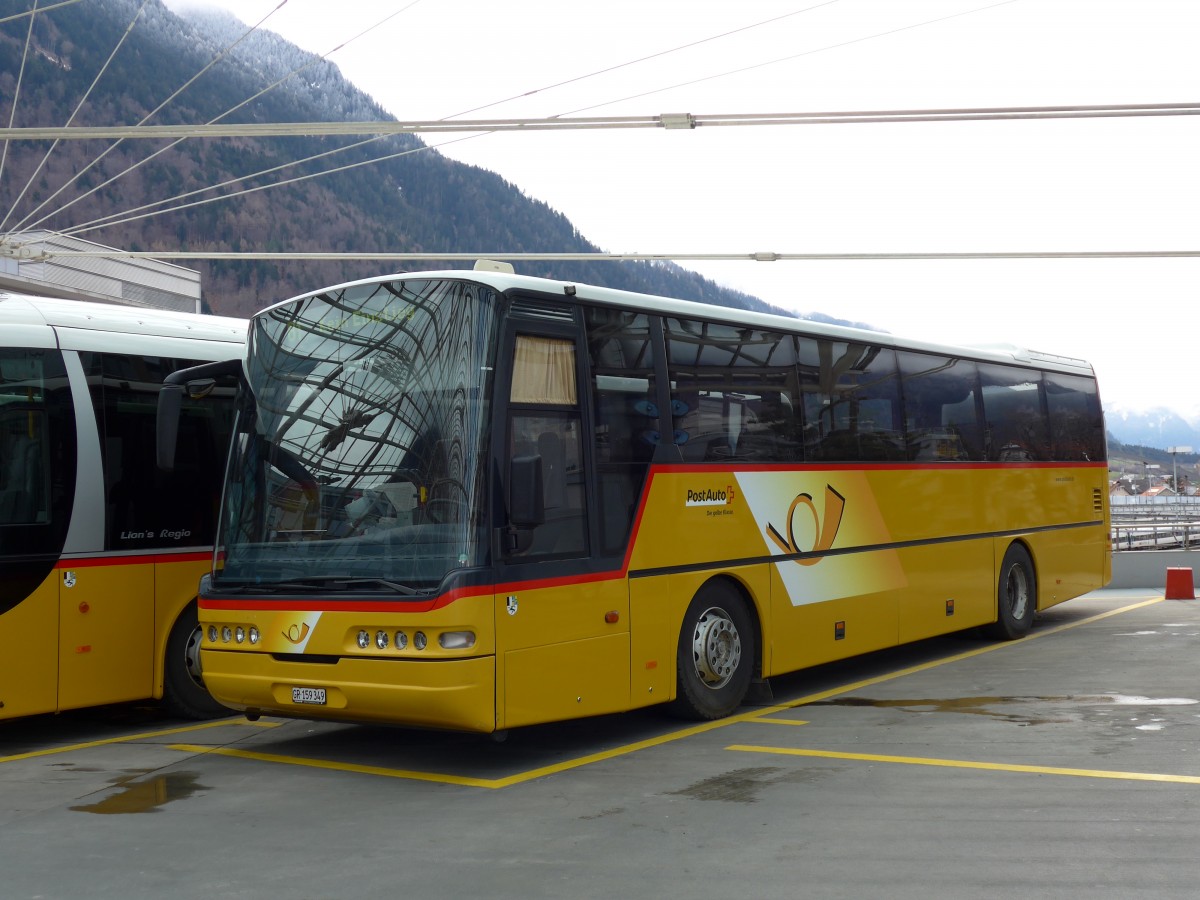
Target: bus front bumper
455, 694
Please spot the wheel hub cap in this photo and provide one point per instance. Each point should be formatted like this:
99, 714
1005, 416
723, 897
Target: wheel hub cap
716, 648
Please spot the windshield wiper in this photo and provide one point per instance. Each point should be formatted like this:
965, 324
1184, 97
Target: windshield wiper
383, 582
320, 582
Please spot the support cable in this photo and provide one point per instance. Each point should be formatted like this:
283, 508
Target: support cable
12, 113
230, 111
759, 256
20, 226
129, 215
45, 159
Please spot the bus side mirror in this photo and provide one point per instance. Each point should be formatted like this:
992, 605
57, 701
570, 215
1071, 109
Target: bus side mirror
170, 401
526, 503
197, 382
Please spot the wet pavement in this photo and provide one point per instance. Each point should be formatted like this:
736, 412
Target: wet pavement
1066, 764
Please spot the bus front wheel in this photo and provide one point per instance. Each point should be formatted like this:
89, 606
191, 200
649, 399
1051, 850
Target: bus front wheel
717, 650
1016, 595
184, 694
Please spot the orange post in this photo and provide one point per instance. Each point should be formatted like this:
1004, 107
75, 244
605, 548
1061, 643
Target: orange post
1180, 585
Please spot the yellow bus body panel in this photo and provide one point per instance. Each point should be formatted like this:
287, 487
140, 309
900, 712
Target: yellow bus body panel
94, 632
106, 632
566, 680
29, 653
565, 651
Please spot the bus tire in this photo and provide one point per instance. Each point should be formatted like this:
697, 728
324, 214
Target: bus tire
717, 653
1016, 595
184, 694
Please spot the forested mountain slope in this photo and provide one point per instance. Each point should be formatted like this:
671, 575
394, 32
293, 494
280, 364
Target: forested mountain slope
409, 199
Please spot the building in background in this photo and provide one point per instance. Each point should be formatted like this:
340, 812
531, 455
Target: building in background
30, 265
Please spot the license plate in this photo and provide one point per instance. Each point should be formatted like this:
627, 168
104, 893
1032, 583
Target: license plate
313, 696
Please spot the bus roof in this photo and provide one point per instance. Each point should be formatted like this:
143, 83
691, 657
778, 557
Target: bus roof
24, 309
504, 282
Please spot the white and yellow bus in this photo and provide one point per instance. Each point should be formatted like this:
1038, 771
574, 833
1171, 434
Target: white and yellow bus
100, 554
475, 500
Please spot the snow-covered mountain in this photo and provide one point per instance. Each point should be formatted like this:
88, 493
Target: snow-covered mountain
1160, 428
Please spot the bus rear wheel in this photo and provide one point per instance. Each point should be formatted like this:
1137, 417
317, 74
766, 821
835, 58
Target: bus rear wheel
1016, 596
184, 694
717, 650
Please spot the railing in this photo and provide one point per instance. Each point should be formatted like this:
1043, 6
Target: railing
1159, 526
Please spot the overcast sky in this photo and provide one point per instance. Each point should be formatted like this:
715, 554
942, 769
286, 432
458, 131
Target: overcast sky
1061, 185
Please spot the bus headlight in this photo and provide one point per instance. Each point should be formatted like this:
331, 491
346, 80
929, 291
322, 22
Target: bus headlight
254, 634
364, 640
456, 640
401, 640
240, 634
226, 634
212, 634
381, 640
419, 640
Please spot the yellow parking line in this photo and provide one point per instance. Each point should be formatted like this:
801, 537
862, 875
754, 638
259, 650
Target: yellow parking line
768, 721
146, 735
508, 781
966, 764
761, 714
338, 766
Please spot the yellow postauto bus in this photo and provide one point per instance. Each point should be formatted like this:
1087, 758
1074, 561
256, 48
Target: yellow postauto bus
475, 500
100, 554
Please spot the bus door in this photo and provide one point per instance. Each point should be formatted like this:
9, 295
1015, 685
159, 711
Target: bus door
37, 486
562, 622
107, 597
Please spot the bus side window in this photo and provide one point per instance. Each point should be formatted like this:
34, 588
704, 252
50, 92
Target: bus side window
851, 402
941, 409
1015, 416
23, 469
146, 507
1076, 420
731, 393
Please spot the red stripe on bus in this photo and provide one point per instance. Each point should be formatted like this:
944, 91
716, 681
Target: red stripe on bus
701, 468
378, 606
82, 562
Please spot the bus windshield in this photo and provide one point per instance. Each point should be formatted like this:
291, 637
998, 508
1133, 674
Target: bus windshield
360, 459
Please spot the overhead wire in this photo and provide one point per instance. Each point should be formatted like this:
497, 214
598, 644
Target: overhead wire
12, 113
261, 187
125, 216
22, 223
664, 121
228, 112
560, 123
36, 10
694, 121
41, 165
117, 218
758, 256
642, 59
794, 56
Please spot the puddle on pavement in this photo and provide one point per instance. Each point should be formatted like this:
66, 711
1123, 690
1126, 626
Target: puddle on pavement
993, 707
146, 796
744, 785
975, 706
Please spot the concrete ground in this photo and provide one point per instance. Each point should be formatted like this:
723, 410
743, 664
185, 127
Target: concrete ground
1066, 764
